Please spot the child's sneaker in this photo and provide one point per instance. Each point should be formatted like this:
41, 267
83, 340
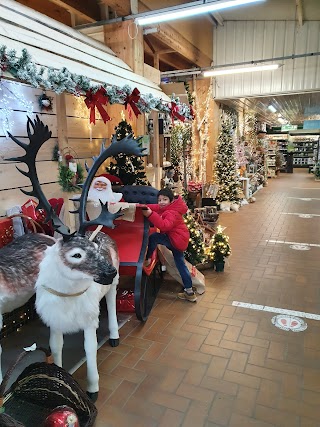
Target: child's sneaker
189, 296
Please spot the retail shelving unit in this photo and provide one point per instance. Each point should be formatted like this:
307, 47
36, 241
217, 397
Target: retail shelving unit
282, 142
306, 147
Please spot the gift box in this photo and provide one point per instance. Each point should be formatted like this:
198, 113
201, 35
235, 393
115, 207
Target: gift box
37, 215
6, 231
125, 301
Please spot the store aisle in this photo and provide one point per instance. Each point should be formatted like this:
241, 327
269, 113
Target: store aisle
215, 364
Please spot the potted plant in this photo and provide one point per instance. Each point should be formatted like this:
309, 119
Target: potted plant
219, 249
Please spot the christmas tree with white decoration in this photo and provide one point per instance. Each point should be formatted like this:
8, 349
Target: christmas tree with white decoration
226, 166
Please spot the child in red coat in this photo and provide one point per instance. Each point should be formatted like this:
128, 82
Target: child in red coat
174, 234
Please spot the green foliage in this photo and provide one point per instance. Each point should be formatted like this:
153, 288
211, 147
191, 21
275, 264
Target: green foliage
69, 180
195, 250
130, 169
219, 247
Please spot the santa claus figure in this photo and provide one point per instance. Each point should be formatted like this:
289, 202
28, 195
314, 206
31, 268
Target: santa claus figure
101, 189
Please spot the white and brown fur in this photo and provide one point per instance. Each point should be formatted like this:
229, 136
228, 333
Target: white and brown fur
39, 263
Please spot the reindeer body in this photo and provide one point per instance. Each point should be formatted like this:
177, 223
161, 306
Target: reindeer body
68, 298
19, 268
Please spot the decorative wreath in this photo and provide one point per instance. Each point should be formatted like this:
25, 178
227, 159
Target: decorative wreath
45, 102
71, 172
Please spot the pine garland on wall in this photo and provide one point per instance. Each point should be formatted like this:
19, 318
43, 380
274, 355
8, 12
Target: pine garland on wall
97, 95
226, 161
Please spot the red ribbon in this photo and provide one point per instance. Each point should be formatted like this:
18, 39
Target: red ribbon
175, 112
97, 99
131, 101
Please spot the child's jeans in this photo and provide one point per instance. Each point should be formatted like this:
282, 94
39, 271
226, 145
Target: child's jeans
156, 239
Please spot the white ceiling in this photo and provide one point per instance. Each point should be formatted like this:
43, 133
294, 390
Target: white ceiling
273, 10
294, 108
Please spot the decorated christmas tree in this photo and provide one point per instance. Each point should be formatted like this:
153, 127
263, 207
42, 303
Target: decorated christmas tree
219, 247
226, 166
130, 169
195, 250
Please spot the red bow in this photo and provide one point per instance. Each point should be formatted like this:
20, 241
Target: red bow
175, 112
97, 99
131, 101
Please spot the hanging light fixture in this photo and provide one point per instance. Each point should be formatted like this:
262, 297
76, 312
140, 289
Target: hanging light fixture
188, 10
272, 109
251, 69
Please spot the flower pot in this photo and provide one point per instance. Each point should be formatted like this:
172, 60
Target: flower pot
219, 265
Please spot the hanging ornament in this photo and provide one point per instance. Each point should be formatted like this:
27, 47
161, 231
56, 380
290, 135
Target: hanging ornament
131, 103
62, 416
97, 100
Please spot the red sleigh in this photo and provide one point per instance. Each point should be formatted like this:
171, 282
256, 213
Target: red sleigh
132, 241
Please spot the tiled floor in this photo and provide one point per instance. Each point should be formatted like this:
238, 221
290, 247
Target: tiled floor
213, 364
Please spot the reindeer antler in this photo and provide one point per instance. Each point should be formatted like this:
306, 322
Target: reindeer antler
129, 146
40, 135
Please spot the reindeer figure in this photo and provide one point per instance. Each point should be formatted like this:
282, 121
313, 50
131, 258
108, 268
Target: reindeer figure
69, 275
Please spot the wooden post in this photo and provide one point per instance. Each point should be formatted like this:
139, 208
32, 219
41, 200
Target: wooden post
62, 124
155, 149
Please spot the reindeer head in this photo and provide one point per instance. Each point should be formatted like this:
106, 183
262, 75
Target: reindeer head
40, 135
79, 259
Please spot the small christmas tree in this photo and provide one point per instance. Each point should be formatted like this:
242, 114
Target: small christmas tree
130, 169
226, 162
219, 247
195, 250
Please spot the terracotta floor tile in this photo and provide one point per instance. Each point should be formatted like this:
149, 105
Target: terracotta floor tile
212, 364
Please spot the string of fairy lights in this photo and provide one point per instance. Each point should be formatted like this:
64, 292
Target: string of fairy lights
200, 126
11, 95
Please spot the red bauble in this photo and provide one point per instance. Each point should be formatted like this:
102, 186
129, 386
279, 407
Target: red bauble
62, 416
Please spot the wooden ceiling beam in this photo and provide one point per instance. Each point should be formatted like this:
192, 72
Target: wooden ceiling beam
167, 35
86, 9
121, 8
299, 14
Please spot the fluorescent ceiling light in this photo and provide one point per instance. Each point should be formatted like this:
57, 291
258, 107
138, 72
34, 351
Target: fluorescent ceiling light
271, 108
252, 69
188, 10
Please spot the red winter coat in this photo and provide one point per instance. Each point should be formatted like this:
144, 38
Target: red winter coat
169, 220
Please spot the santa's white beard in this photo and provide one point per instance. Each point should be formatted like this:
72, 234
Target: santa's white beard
97, 195
103, 195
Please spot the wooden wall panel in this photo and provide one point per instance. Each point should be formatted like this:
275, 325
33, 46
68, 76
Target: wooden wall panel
8, 148
10, 198
10, 177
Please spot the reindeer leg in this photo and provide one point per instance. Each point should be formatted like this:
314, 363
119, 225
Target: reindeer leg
56, 345
112, 316
91, 348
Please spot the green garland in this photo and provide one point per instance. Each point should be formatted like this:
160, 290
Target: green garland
24, 69
66, 178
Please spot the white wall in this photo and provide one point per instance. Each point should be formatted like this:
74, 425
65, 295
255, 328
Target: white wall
240, 41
